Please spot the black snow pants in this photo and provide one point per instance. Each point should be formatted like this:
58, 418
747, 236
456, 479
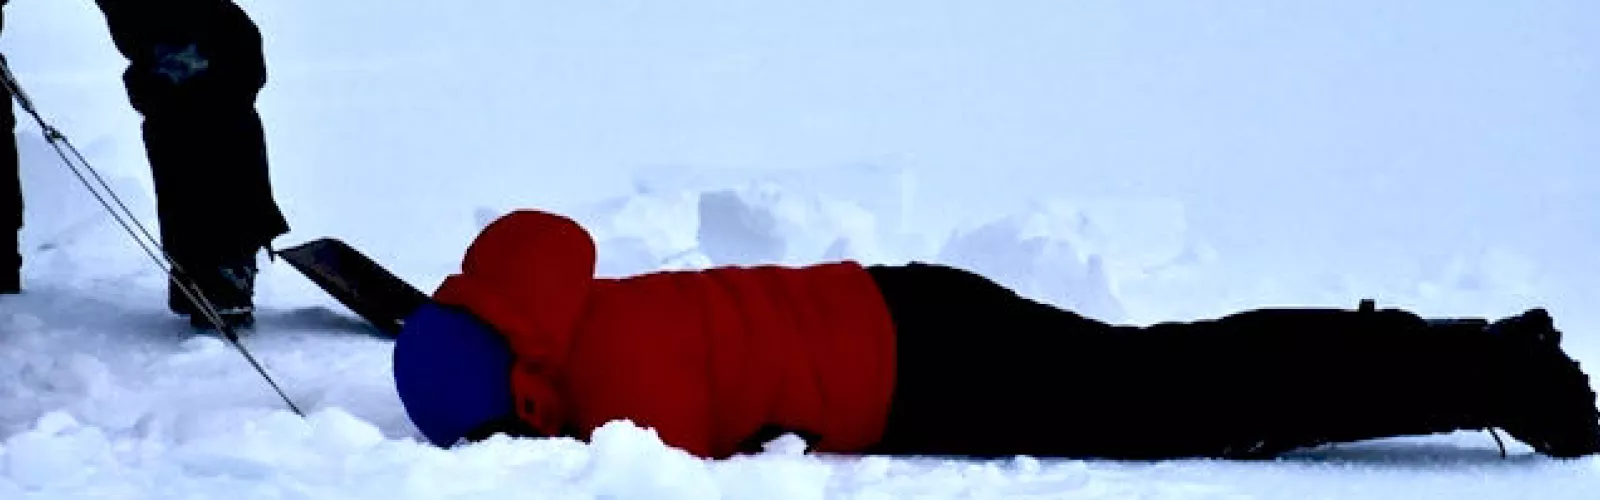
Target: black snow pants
982, 371
195, 68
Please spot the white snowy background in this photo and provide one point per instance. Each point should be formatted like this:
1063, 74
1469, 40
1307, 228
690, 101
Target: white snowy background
1139, 161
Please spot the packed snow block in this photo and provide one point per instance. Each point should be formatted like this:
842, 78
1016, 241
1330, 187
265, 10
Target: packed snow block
768, 224
336, 431
739, 224
58, 451
782, 472
887, 192
1486, 270
483, 216
628, 461
241, 443
65, 230
1042, 267
641, 232
1110, 258
733, 231
1136, 236
868, 204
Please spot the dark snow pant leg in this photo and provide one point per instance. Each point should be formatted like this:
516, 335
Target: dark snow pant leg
10, 189
985, 372
982, 371
195, 70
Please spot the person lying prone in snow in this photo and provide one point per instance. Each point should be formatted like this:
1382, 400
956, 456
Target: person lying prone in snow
924, 359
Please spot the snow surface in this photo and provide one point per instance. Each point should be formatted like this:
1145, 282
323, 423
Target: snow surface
1133, 162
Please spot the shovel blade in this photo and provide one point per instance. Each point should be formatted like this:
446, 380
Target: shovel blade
358, 282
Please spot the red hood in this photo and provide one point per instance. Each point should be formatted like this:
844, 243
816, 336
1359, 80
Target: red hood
529, 276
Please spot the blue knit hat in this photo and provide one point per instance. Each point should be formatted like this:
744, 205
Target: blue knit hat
453, 373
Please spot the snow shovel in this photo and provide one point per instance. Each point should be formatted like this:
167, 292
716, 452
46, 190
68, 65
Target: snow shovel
372, 292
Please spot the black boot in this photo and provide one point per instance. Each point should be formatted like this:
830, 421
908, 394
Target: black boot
1544, 398
226, 282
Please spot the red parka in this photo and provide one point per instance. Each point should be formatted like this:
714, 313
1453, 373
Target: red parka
706, 358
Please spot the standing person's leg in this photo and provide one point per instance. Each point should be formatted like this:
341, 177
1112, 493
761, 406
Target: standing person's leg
195, 69
10, 189
986, 372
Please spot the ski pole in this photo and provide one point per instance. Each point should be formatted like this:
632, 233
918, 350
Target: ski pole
180, 278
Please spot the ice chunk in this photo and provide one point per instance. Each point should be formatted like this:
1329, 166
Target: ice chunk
57, 452
335, 430
1046, 267
734, 231
629, 462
